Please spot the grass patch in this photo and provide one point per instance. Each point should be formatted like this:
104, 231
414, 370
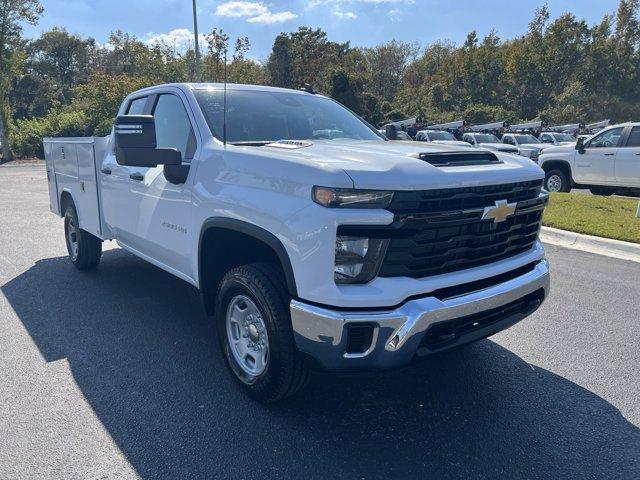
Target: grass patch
609, 217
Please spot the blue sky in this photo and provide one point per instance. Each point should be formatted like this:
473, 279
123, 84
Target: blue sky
363, 22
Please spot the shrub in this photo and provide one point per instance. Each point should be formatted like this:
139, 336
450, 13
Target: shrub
27, 135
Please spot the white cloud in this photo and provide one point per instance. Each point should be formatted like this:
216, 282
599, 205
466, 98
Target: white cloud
394, 11
345, 15
267, 18
180, 38
254, 12
241, 9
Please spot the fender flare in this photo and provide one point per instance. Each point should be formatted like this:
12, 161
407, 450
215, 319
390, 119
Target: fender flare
559, 161
256, 232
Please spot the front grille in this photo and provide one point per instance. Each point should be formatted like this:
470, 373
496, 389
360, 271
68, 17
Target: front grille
448, 199
440, 231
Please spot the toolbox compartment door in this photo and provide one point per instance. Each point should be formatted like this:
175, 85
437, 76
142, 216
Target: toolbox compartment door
50, 150
72, 168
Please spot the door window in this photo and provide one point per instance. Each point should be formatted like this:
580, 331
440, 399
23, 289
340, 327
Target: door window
606, 139
136, 106
509, 140
173, 128
634, 137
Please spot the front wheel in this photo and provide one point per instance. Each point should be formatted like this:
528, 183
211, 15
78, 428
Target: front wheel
557, 181
255, 334
84, 249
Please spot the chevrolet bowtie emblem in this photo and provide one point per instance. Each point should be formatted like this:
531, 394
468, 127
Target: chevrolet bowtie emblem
500, 211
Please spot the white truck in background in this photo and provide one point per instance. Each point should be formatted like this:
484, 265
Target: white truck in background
439, 136
488, 141
527, 145
346, 253
606, 163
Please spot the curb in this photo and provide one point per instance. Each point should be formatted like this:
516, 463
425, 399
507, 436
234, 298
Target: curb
588, 243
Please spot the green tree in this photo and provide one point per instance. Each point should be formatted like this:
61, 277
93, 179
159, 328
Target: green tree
386, 65
62, 59
12, 14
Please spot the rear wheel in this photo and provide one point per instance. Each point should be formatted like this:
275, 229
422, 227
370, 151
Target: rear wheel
255, 334
557, 181
84, 249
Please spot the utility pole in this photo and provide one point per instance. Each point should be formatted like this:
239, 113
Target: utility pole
198, 76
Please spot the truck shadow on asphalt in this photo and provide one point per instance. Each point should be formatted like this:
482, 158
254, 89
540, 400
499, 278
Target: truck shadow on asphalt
146, 359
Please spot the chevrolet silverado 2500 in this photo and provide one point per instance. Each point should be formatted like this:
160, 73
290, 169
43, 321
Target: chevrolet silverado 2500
606, 163
344, 252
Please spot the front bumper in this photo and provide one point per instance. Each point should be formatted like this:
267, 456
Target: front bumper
418, 327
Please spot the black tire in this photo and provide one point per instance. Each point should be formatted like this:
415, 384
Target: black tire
285, 372
88, 250
604, 191
557, 180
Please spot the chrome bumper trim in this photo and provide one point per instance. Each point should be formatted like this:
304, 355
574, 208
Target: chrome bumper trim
320, 332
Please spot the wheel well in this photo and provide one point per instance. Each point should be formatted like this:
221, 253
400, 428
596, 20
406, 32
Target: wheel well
557, 165
223, 248
65, 200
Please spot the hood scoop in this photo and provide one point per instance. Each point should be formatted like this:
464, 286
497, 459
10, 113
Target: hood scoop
458, 159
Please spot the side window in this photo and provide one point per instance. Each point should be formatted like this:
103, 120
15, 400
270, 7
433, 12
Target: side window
508, 140
136, 106
546, 139
173, 128
634, 137
606, 139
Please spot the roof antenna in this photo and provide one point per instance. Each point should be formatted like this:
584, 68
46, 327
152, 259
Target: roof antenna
308, 88
224, 101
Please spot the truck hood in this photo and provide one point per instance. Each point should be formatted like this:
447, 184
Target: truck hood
501, 147
560, 149
533, 146
457, 143
395, 166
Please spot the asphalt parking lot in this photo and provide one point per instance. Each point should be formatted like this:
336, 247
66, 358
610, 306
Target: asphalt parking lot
116, 374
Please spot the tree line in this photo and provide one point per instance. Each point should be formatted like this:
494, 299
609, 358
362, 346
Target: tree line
562, 70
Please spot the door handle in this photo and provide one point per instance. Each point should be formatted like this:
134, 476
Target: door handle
136, 176
609, 154
106, 171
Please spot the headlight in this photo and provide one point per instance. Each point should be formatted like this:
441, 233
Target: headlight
358, 259
351, 198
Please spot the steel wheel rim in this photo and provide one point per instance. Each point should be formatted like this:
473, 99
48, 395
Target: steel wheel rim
247, 335
554, 183
72, 237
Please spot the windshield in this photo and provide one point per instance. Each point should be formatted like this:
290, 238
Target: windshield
526, 139
487, 138
440, 136
563, 137
261, 116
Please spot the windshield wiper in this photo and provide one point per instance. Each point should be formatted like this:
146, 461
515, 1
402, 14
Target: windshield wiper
253, 143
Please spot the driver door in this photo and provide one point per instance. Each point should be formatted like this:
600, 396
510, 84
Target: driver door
596, 164
628, 160
163, 227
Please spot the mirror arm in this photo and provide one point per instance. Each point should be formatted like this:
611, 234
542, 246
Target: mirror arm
176, 174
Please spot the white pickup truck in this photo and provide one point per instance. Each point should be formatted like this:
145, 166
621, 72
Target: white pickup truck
606, 163
345, 253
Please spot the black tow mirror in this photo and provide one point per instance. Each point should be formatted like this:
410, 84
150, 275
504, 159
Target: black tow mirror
580, 145
135, 143
391, 132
